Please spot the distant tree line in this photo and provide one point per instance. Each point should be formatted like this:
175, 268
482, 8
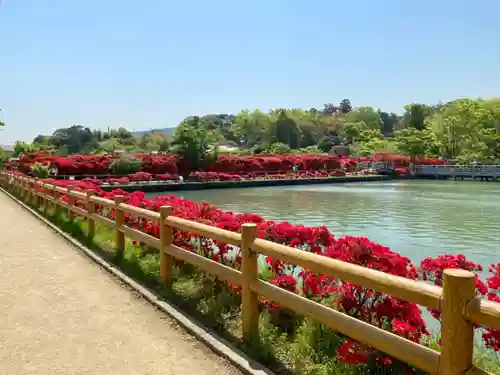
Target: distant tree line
462, 129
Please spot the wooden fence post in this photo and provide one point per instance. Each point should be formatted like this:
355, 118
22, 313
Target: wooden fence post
44, 202
27, 195
250, 269
21, 188
71, 203
457, 333
53, 203
57, 202
36, 198
119, 221
166, 239
91, 211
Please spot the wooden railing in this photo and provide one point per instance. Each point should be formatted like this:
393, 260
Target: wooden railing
456, 300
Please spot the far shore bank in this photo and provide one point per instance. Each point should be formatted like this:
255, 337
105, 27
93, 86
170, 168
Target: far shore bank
156, 187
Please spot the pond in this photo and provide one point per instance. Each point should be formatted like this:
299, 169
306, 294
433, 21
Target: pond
415, 218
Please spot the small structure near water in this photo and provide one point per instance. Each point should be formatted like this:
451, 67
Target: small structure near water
475, 172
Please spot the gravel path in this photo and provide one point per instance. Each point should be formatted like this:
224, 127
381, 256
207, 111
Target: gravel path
61, 314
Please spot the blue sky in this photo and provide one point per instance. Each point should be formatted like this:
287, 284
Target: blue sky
147, 64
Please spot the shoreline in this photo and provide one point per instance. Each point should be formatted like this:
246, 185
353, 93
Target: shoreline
153, 187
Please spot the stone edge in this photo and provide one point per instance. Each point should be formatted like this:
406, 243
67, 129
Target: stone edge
213, 341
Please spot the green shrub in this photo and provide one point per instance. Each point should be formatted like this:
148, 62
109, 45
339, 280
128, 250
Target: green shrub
41, 171
278, 148
125, 165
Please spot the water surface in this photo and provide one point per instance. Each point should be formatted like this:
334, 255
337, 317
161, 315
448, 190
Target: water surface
416, 218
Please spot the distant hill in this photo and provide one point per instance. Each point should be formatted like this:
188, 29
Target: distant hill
168, 131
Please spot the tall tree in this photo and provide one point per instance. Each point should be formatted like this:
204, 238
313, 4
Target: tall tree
75, 139
287, 131
412, 142
194, 145
415, 115
345, 106
389, 121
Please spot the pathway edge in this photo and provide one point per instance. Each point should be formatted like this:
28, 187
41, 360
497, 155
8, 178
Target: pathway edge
212, 340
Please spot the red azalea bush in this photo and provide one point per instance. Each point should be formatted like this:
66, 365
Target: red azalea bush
432, 270
492, 336
159, 164
404, 161
96, 165
216, 176
140, 177
118, 181
384, 311
402, 171
165, 177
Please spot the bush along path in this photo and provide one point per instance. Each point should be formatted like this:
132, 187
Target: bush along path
289, 343
61, 314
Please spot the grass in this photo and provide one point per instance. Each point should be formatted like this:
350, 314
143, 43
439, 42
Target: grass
303, 348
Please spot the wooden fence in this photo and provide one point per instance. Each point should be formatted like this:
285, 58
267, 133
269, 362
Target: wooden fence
456, 300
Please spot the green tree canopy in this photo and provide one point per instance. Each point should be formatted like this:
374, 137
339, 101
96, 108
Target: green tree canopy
194, 144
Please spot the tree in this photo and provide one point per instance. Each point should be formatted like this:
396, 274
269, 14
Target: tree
389, 121
345, 106
194, 145
287, 131
326, 143
250, 128
460, 124
76, 139
352, 131
368, 115
415, 115
413, 142
21, 148
330, 109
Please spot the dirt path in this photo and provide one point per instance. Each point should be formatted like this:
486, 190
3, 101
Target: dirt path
61, 314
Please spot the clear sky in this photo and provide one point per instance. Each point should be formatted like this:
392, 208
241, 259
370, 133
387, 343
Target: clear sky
147, 64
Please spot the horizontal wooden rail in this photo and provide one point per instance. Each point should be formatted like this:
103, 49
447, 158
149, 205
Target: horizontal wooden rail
484, 312
141, 212
77, 194
455, 300
223, 272
102, 201
414, 291
140, 236
61, 190
103, 220
396, 346
204, 230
